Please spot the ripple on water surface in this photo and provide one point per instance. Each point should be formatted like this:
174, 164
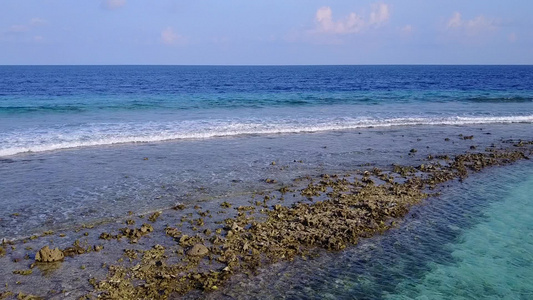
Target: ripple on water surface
493, 259
472, 242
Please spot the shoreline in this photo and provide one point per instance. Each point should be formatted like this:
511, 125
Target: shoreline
267, 210
262, 129
64, 189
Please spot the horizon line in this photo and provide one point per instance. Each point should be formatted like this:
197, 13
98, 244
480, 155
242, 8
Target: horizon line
259, 65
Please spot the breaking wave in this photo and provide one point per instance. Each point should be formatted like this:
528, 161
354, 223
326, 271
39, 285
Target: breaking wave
100, 134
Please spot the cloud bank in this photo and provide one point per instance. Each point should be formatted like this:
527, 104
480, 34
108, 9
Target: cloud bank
475, 26
353, 23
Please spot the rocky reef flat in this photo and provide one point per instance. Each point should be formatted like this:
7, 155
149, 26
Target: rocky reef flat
197, 248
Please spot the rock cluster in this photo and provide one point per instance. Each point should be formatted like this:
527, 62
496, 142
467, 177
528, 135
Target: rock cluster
198, 250
336, 211
134, 234
49, 255
352, 209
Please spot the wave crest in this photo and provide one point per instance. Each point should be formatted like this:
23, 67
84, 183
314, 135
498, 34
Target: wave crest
120, 133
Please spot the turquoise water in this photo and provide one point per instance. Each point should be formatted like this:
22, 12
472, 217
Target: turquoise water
492, 260
475, 241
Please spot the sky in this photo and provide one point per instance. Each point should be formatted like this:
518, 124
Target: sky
257, 32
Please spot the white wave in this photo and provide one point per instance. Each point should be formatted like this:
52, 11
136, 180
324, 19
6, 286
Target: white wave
39, 140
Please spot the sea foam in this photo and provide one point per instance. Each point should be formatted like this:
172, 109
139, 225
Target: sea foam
100, 134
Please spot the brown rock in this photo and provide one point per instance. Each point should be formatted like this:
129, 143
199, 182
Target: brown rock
48, 255
198, 250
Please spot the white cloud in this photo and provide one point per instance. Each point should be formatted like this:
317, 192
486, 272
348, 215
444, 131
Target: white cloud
113, 4
353, 23
169, 37
473, 26
455, 21
380, 14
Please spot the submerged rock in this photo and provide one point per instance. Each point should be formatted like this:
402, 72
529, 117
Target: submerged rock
23, 272
347, 211
49, 255
198, 250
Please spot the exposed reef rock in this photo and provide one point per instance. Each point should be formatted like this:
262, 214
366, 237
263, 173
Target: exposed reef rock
198, 250
202, 250
352, 209
49, 255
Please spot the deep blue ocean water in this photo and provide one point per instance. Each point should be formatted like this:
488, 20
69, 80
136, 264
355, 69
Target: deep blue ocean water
53, 107
82, 144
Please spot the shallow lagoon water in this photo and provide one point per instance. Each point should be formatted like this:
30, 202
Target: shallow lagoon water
449, 246
494, 258
65, 188
472, 242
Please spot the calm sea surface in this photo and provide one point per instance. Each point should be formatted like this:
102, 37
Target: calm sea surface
85, 144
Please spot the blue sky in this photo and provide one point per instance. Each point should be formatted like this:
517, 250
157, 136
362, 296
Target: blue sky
258, 32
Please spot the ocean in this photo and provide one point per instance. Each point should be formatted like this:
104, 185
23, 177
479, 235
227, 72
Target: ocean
47, 108
90, 144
